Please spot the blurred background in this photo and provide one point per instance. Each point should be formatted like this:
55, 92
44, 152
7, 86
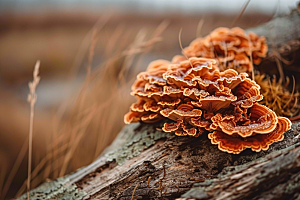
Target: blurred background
90, 53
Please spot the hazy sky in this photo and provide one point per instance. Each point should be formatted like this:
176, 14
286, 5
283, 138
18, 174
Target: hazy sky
156, 6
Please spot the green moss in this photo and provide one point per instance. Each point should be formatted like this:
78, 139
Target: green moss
196, 192
134, 142
293, 186
58, 189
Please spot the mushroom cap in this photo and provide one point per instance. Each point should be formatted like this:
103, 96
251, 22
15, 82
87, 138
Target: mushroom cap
257, 142
184, 111
132, 117
151, 118
247, 92
198, 97
151, 106
262, 120
215, 103
231, 47
182, 129
153, 75
147, 117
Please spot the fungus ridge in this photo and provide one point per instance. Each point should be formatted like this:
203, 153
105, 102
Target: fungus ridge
231, 47
198, 98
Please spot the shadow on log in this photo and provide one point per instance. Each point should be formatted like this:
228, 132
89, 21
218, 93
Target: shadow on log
145, 163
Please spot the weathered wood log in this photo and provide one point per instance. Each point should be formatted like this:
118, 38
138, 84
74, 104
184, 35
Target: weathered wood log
145, 163
283, 36
170, 167
275, 176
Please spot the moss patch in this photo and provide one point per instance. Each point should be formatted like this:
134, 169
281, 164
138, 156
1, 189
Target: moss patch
136, 139
58, 189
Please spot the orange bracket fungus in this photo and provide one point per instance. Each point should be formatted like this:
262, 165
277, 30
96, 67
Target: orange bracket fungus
231, 47
198, 98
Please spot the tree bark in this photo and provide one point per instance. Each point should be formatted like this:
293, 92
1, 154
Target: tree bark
145, 163
283, 36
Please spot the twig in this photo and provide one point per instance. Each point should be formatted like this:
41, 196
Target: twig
199, 28
292, 94
134, 190
32, 97
225, 55
148, 181
295, 118
240, 14
14, 169
180, 44
159, 182
251, 58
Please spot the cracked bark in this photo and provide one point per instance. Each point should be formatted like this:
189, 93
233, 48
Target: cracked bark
171, 167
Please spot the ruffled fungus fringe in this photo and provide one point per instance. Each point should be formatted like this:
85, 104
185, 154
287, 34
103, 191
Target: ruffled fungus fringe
232, 48
199, 97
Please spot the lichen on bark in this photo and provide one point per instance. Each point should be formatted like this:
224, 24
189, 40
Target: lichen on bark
133, 142
58, 189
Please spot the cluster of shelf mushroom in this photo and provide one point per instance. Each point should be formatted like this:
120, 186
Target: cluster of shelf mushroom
198, 96
232, 48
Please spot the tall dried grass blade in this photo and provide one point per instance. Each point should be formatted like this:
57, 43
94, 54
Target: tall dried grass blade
180, 44
14, 169
78, 60
199, 28
40, 166
32, 97
94, 103
292, 94
3, 171
240, 14
251, 59
81, 131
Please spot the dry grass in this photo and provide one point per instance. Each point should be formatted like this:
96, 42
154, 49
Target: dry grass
90, 120
277, 96
32, 97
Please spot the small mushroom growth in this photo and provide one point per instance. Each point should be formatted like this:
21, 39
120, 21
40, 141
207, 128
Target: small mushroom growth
198, 98
232, 48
